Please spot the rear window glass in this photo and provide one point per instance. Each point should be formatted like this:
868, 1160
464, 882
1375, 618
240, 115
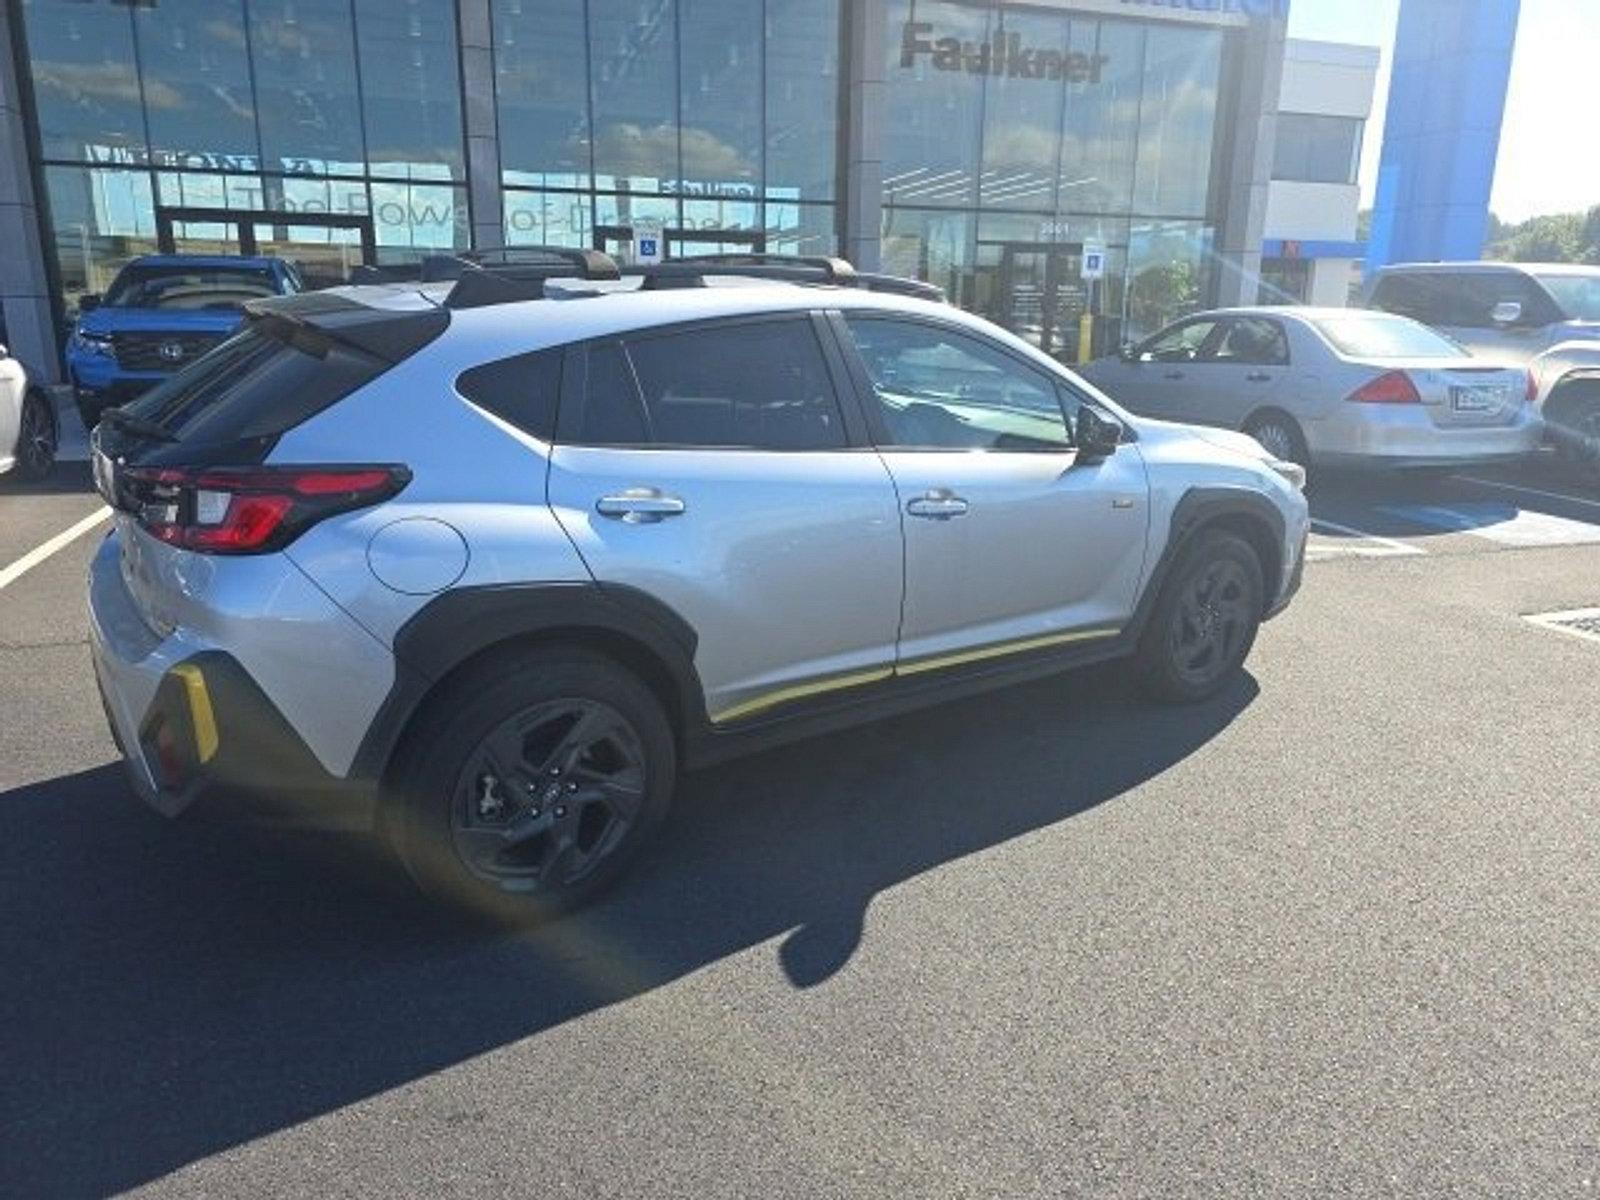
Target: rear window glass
1360, 336
259, 383
523, 390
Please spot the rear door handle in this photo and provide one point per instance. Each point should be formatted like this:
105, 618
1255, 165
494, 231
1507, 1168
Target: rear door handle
1259, 377
640, 506
937, 505
1173, 375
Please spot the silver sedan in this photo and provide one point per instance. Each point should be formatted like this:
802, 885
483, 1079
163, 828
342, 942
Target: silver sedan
1329, 387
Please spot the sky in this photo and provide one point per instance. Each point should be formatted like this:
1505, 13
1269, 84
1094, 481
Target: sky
1546, 162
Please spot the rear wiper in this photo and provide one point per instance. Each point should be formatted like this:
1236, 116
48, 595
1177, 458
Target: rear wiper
138, 426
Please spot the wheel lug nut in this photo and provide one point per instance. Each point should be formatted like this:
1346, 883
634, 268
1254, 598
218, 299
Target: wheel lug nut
561, 810
555, 772
572, 787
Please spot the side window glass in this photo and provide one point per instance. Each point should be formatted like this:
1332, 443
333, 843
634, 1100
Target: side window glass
522, 390
612, 414
1181, 343
754, 384
940, 390
1253, 341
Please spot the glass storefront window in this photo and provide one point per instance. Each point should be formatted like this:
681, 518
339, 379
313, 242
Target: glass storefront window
102, 219
546, 219
410, 86
800, 229
633, 93
1022, 120
84, 82
934, 121
802, 98
196, 73
305, 71
1169, 265
1101, 124
719, 52
936, 246
1177, 118
542, 89
419, 217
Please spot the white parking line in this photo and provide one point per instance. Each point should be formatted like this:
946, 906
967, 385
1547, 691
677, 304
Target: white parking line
1381, 547
1499, 522
38, 554
1513, 487
1579, 622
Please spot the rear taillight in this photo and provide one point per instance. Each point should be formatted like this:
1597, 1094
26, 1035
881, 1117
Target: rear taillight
250, 510
1392, 387
1532, 393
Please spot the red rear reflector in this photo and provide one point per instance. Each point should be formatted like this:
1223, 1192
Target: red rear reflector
1392, 387
1533, 388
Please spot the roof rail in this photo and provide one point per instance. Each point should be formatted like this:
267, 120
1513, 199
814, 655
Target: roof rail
692, 270
901, 285
508, 273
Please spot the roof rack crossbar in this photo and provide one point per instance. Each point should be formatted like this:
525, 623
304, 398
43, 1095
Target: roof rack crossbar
505, 274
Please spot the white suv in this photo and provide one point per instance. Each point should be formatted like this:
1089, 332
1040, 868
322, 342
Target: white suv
497, 567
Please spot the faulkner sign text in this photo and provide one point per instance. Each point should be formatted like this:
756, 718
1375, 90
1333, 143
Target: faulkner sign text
1003, 54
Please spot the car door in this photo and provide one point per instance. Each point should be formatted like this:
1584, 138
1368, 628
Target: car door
711, 467
1156, 378
1241, 369
1011, 542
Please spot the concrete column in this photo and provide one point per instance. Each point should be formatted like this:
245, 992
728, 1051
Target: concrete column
1246, 169
24, 282
483, 129
864, 99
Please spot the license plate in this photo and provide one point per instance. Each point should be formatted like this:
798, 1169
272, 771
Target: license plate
1477, 399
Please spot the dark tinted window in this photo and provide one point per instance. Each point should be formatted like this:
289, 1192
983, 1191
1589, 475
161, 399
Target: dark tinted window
1464, 299
612, 414
1414, 296
762, 384
941, 390
258, 383
1180, 343
193, 287
1317, 149
523, 390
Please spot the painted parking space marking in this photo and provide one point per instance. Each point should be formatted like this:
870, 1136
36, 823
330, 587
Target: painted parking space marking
1516, 487
1577, 622
14, 572
1350, 542
1500, 523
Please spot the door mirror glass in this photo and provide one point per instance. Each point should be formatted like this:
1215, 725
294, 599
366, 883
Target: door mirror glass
88, 301
1506, 312
1099, 435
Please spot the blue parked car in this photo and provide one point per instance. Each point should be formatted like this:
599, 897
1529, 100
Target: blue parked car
162, 312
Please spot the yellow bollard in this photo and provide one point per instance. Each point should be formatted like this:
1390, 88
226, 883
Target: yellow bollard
1085, 336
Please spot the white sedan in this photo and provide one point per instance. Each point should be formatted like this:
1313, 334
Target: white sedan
27, 423
1329, 387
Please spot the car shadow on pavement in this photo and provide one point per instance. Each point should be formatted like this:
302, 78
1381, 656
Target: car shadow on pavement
65, 478
170, 990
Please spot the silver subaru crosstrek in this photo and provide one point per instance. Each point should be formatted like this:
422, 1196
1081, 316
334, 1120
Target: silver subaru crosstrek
490, 560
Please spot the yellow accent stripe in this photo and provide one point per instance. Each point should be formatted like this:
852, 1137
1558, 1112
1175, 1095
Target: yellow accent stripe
998, 649
801, 690
798, 692
201, 716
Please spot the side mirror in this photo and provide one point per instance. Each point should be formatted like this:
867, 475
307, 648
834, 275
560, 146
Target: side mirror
1128, 352
1098, 435
4, 353
1507, 312
87, 301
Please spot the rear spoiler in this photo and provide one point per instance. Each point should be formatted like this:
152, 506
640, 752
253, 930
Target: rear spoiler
392, 334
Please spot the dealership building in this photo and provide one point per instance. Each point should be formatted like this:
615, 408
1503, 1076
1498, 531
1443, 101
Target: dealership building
982, 146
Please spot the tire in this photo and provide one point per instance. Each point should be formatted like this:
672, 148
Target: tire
494, 806
1572, 417
1172, 662
36, 438
1281, 435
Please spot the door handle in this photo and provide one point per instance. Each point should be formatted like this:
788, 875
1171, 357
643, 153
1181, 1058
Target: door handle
1173, 375
640, 506
937, 505
1259, 377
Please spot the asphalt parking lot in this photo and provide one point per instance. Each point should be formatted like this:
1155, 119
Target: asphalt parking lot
1333, 933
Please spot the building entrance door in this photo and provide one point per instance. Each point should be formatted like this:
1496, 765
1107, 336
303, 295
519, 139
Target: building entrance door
1041, 296
325, 247
617, 241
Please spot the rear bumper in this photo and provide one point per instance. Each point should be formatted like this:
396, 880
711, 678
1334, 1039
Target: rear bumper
194, 718
1405, 436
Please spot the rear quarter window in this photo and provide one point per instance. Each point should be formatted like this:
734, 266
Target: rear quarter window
523, 390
